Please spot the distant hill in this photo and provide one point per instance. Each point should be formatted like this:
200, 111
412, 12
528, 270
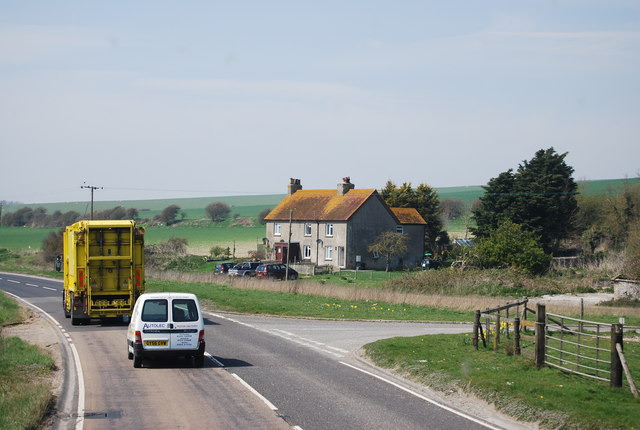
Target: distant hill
245, 205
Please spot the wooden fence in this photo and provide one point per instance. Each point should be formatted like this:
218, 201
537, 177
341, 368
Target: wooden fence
590, 349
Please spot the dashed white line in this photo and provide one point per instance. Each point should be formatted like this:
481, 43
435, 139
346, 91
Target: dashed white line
254, 391
14, 281
76, 359
50, 289
318, 346
218, 363
32, 285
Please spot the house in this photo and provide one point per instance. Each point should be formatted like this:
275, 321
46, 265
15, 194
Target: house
335, 227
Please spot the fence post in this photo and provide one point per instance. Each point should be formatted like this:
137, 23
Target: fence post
516, 336
616, 365
496, 339
541, 317
476, 324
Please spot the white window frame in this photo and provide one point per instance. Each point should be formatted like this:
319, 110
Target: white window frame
307, 229
328, 230
399, 229
306, 252
328, 252
277, 229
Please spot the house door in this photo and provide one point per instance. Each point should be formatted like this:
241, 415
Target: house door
341, 256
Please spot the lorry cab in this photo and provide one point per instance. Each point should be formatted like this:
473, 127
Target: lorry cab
166, 325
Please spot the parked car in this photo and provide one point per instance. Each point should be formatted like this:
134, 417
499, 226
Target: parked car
223, 268
275, 271
430, 263
166, 325
248, 268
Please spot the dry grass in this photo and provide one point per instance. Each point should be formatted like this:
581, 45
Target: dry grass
396, 296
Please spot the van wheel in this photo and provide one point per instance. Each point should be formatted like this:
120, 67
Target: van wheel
137, 361
129, 354
198, 360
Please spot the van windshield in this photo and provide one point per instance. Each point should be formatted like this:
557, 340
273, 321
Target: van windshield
155, 310
184, 310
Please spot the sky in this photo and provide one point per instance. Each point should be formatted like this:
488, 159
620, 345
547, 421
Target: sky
174, 99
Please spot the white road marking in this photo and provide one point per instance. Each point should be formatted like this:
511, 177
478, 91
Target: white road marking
14, 281
48, 288
32, 285
420, 396
319, 346
254, 391
76, 359
214, 359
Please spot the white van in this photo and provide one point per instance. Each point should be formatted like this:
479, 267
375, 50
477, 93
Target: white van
166, 325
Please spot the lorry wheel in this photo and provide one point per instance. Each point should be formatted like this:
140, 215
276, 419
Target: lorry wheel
67, 314
75, 320
137, 361
198, 360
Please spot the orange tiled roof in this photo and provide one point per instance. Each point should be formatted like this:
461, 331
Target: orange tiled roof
408, 216
321, 205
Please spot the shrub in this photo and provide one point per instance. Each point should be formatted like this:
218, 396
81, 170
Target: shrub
510, 246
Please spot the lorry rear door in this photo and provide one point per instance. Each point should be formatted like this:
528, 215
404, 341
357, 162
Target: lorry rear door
185, 324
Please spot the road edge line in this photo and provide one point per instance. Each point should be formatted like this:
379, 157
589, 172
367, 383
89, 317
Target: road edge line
76, 360
420, 396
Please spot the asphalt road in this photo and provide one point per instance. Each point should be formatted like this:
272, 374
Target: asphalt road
262, 372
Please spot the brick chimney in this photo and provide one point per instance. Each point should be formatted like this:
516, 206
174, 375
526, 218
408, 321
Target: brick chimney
345, 186
294, 185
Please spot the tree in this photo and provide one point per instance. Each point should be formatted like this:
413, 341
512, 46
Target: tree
263, 213
52, 246
426, 201
168, 215
540, 196
451, 209
218, 211
388, 244
632, 254
511, 246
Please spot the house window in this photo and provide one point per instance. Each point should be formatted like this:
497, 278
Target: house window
277, 229
375, 255
307, 229
328, 252
328, 231
306, 252
399, 229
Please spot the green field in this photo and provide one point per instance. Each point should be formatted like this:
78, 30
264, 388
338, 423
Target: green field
23, 238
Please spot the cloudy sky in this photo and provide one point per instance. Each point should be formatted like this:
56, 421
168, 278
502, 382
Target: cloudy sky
164, 99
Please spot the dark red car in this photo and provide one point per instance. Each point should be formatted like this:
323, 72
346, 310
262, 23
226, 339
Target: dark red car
275, 271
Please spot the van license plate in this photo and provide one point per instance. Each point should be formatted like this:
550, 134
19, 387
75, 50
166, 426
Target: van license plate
155, 343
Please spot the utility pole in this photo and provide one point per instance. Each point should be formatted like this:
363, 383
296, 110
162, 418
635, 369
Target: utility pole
286, 273
92, 188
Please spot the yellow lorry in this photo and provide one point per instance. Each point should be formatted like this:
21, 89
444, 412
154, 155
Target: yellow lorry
103, 264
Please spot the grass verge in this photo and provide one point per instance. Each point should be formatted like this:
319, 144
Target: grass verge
251, 301
512, 383
25, 393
